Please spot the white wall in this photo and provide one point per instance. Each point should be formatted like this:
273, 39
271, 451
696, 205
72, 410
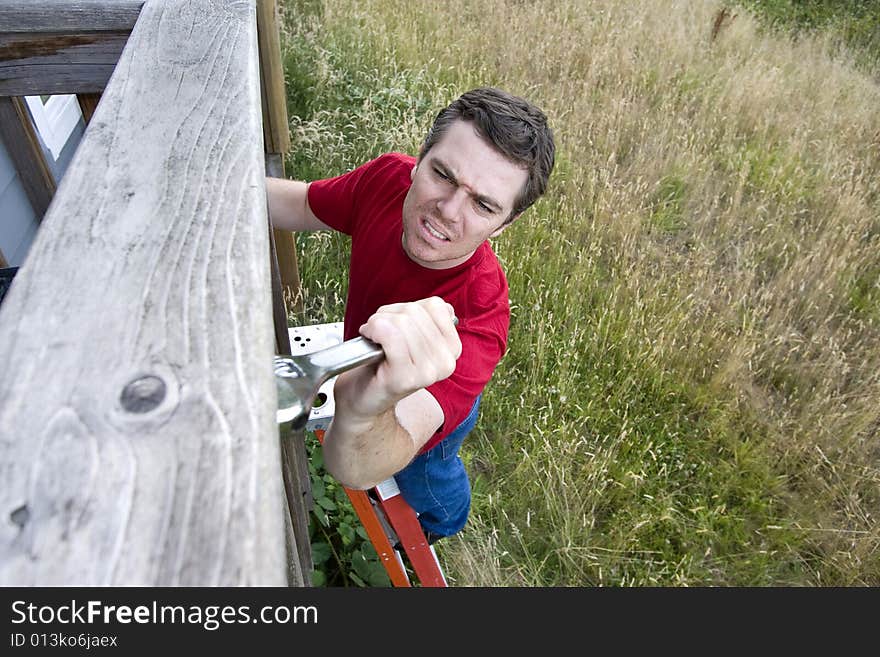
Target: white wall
60, 126
18, 225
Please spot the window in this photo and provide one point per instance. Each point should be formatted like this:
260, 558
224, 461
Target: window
55, 118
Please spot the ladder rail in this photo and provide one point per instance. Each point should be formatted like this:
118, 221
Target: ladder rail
386, 498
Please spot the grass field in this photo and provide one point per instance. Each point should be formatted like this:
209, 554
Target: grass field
690, 395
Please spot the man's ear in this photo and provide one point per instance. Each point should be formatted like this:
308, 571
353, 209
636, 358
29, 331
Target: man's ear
412, 173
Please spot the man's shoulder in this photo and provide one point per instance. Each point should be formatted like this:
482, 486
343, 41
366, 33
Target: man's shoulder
490, 269
390, 162
487, 288
396, 159
393, 165
386, 173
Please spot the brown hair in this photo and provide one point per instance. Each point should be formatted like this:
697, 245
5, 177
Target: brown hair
514, 126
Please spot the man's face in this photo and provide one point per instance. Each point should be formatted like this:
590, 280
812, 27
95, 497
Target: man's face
463, 191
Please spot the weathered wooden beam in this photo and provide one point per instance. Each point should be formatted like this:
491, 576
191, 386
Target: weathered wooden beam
62, 46
18, 134
37, 16
58, 63
138, 443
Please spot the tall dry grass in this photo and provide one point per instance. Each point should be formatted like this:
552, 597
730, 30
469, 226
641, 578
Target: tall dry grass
691, 392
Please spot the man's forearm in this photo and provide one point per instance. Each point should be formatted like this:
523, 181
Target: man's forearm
364, 452
384, 412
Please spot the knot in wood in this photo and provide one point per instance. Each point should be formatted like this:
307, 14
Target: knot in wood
143, 394
20, 516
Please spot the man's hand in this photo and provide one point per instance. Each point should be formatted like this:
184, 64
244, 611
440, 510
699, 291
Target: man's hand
383, 413
421, 347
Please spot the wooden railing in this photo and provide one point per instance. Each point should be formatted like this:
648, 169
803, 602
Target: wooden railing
138, 443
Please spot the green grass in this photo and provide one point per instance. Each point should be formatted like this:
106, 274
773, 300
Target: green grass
854, 23
690, 392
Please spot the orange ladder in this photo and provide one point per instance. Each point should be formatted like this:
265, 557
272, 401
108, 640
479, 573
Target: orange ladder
384, 505
390, 523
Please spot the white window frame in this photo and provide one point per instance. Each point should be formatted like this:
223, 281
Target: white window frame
54, 120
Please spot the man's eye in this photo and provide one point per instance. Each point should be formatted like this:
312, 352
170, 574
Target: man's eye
484, 208
441, 174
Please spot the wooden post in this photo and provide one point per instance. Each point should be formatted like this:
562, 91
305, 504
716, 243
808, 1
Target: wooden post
274, 100
23, 146
287, 291
284, 254
88, 103
276, 133
294, 459
137, 402
291, 287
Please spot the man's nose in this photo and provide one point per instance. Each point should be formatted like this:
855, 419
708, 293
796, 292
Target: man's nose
452, 205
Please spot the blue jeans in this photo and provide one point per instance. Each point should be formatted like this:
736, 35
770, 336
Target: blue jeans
435, 484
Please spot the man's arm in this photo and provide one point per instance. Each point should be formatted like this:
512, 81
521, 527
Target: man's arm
289, 206
384, 415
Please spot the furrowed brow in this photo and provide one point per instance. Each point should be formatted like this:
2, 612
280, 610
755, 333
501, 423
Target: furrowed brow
444, 169
493, 205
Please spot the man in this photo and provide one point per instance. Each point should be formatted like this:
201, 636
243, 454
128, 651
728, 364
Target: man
420, 256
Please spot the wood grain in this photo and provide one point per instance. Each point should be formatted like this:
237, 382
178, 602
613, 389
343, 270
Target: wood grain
58, 62
138, 443
34, 16
62, 46
88, 103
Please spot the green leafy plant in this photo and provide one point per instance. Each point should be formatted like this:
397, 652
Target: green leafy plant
341, 550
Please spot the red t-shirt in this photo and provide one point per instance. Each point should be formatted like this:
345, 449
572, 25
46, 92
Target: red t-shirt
367, 204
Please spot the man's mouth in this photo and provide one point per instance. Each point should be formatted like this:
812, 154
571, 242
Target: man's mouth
433, 231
